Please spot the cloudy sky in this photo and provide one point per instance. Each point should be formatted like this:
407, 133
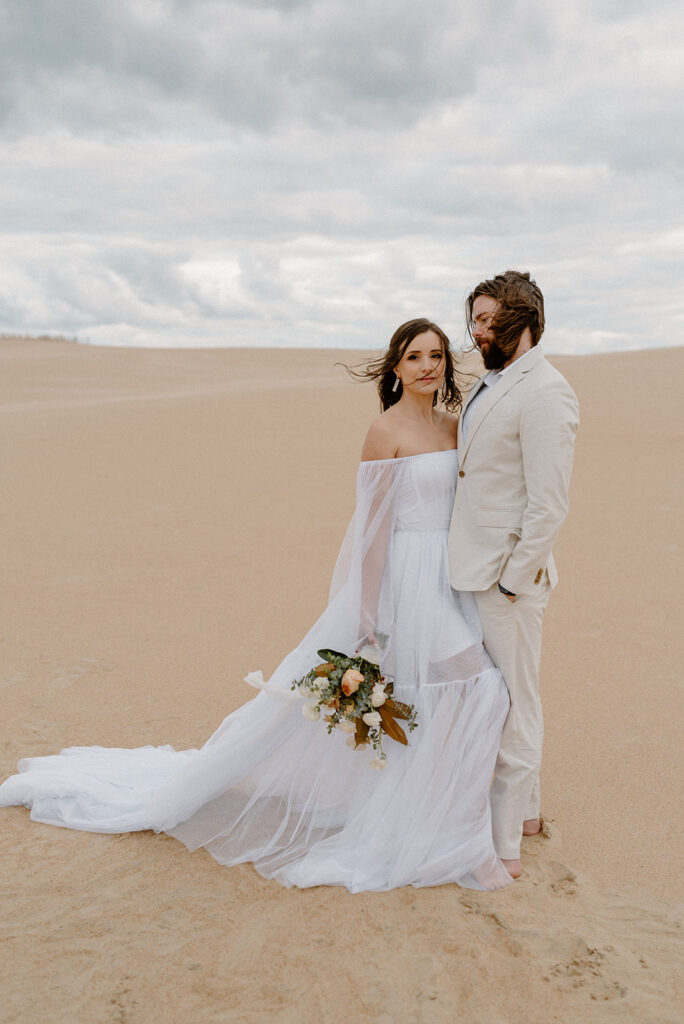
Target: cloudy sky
315, 172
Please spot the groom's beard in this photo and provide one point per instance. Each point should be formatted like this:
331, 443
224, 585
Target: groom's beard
492, 356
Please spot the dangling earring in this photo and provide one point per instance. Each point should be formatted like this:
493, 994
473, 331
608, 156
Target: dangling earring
396, 383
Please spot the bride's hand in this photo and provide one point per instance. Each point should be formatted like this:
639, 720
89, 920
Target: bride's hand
367, 638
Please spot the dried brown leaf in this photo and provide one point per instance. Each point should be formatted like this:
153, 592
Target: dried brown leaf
361, 735
398, 709
390, 726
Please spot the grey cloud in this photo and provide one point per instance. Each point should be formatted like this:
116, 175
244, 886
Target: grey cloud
316, 172
331, 62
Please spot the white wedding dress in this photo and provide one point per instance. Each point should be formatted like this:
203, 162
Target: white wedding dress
275, 789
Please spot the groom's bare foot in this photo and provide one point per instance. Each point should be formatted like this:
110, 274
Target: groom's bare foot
532, 827
513, 867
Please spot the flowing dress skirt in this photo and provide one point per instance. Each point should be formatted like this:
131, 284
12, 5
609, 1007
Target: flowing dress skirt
274, 789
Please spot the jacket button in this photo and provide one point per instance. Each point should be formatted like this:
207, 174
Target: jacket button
461, 472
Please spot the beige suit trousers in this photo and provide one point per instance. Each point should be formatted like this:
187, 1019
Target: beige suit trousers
512, 635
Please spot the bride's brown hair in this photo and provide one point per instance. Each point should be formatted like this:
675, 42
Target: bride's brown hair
381, 370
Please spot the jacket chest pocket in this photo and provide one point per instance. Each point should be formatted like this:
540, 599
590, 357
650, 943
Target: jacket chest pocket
500, 518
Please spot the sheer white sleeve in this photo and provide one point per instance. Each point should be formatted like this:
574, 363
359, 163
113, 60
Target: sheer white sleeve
362, 576
360, 608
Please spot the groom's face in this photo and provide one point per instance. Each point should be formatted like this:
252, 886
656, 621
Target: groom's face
484, 308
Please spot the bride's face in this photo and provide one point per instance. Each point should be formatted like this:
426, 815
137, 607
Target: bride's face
421, 368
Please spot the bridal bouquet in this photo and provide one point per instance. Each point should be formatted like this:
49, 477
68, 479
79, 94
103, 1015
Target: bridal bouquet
356, 699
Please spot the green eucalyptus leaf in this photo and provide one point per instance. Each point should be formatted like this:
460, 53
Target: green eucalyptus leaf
327, 655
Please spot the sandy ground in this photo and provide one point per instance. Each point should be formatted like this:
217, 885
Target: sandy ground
169, 522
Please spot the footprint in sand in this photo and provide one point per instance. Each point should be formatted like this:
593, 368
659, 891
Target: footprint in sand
587, 968
565, 882
122, 1003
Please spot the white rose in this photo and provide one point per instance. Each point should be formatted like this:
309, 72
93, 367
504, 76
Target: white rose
351, 742
347, 726
312, 712
378, 695
372, 718
378, 764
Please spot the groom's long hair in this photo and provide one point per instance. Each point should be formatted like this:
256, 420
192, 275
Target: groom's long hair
520, 305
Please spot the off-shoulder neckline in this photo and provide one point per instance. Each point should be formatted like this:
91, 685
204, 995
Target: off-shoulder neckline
405, 458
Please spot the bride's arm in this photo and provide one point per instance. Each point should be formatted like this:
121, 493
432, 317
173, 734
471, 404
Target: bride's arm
361, 564
381, 446
374, 561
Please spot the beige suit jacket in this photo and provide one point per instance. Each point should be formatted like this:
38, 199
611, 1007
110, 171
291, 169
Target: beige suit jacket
514, 473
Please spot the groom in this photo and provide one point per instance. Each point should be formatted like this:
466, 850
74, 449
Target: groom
516, 441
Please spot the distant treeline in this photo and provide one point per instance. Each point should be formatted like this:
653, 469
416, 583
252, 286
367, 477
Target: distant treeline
10, 336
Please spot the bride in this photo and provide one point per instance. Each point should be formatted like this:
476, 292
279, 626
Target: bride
275, 789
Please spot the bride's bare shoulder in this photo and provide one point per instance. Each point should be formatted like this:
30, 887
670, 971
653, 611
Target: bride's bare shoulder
382, 441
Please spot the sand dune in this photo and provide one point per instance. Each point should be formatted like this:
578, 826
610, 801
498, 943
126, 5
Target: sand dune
171, 520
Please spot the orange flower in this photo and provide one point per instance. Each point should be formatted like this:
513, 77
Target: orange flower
351, 680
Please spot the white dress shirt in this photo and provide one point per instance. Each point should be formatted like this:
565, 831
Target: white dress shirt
490, 381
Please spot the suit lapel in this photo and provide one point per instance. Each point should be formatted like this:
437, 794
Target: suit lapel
485, 405
476, 388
